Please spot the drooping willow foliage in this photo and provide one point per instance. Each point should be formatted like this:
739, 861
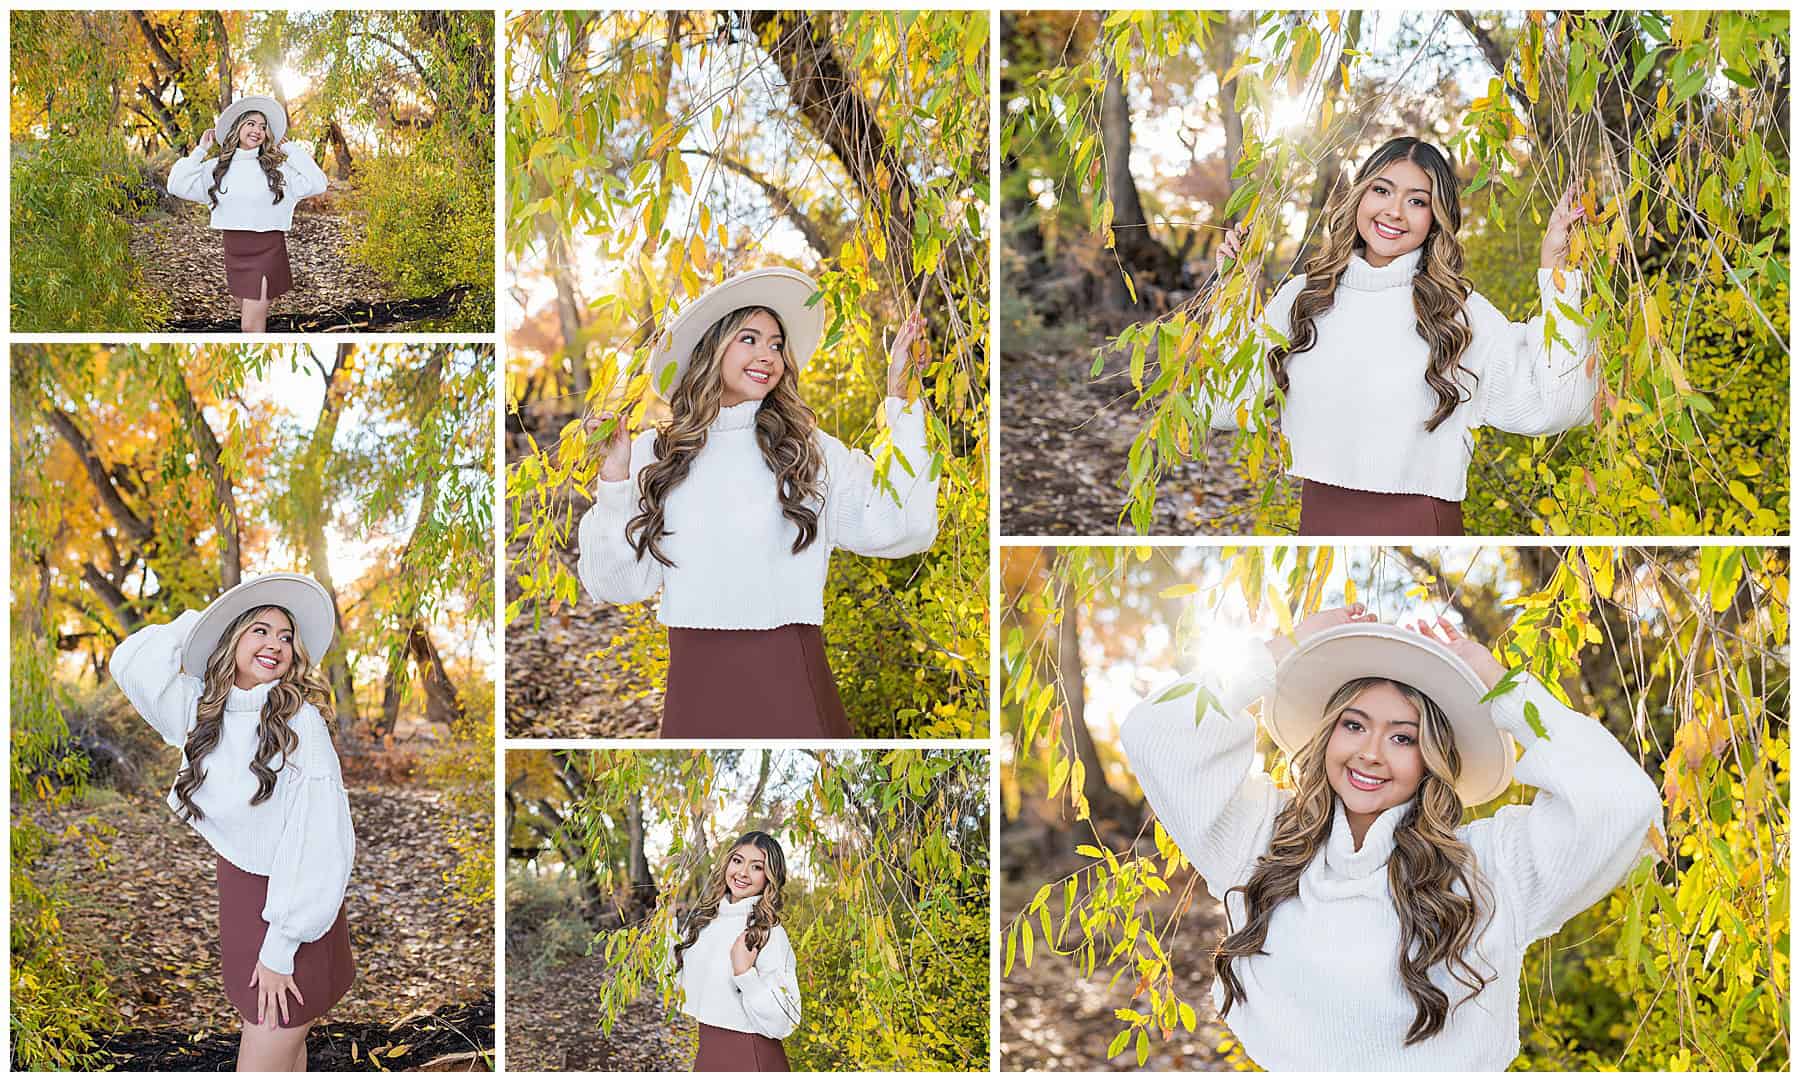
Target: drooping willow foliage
1674, 127
673, 149
1681, 653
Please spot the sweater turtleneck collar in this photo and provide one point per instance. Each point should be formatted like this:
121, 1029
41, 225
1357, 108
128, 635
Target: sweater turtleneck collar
1344, 861
1358, 274
237, 699
742, 905
243, 154
742, 415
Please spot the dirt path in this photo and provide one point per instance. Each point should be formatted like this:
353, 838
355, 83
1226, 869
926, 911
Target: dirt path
178, 254
145, 905
553, 1024
560, 679
1054, 1019
1064, 444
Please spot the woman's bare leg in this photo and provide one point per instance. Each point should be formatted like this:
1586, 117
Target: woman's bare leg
256, 312
263, 1049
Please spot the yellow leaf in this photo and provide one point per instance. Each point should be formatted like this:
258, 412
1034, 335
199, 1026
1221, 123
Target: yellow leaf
1349, 592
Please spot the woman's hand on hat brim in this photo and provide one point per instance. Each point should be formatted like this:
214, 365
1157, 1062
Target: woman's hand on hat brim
1281, 645
1477, 656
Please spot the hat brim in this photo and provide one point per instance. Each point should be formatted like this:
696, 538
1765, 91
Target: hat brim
1308, 677
271, 110
782, 290
306, 600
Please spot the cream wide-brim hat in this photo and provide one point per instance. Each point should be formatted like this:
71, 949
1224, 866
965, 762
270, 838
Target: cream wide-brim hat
1315, 669
303, 598
784, 291
255, 103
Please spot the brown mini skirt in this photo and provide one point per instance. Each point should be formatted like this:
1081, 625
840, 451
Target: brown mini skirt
756, 685
323, 969
729, 1050
1330, 510
253, 257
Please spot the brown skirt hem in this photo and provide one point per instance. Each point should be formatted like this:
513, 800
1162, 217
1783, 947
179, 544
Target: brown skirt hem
759, 685
1327, 510
730, 1050
323, 969
253, 257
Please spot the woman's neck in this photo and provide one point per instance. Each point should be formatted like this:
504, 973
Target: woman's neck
1360, 822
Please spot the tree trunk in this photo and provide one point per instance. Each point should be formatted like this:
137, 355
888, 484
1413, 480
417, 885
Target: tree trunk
340, 147
1103, 802
1142, 255
643, 885
231, 561
224, 41
1329, 180
836, 111
310, 478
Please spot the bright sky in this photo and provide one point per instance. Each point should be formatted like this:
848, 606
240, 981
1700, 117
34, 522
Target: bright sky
297, 394
1223, 634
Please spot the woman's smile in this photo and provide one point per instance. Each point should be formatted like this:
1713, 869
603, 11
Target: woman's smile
1366, 782
1389, 232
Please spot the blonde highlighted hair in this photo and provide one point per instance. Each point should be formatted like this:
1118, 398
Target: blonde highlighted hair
1442, 900
785, 430
1440, 290
301, 684
764, 916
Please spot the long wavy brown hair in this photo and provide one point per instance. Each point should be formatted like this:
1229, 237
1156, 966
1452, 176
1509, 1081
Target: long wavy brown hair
784, 431
301, 684
764, 916
1440, 289
1442, 899
267, 156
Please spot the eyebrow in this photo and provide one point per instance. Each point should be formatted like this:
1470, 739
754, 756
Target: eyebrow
1392, 184
1366, 717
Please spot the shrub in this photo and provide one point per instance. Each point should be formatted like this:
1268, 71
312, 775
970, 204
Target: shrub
72, 268
428, 227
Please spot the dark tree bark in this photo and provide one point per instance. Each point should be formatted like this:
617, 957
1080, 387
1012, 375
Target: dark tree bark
212, 459
224, 42
340, 147
1330, 179
1141, 254
783, 203
1104, 803
835, 110
309, 479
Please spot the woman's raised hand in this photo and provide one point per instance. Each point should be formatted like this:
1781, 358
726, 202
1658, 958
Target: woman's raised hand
206, 139
616, 466
1567, 213
1232, 246
1281, 645
901, 364
743, 956
1478, 657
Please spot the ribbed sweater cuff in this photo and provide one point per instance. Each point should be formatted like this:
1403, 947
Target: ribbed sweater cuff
277, 954
1254, 681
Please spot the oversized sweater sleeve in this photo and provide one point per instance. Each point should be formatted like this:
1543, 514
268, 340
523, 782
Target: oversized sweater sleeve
866, 517
147, 668
1201, 777
1219, 405
1587, 828
188, 177
305, 178
770, 988
609, 567
311, 869
1529, 386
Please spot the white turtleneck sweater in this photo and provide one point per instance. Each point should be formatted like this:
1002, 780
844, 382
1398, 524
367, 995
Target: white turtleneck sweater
735, 567
245, 201
764, 999
1327, 994
1357, 402
300, 838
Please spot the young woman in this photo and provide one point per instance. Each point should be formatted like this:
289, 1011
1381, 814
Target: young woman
252, 188
1370, 929
235, 688
735, 964
732, 507
1386, 360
